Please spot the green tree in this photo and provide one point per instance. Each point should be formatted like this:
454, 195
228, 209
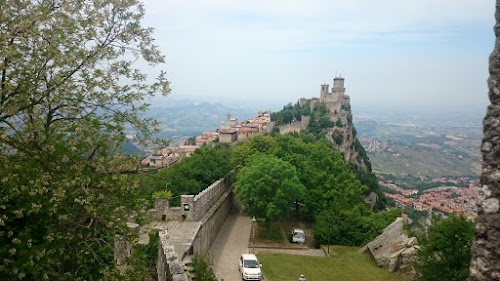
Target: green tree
68, 94
445, 251
268, 187
256, 144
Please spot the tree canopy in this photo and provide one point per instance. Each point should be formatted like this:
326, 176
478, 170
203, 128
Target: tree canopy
69, 93
445, 250
268, 187
333, 196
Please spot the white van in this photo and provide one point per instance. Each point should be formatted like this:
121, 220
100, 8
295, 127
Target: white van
249, 267
298, 236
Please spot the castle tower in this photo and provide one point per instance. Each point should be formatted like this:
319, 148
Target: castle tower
302, 101
338, 84
324, 90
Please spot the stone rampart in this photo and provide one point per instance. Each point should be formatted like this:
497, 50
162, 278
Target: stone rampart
200, 218
212, 222
168, 265
295, 127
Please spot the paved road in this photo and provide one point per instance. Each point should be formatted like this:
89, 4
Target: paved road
231, 242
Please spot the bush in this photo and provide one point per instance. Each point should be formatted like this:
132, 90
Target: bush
203, 268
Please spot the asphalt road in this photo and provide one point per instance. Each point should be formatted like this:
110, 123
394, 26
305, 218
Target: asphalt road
231, 242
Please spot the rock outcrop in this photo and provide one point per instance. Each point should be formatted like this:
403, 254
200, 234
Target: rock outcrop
376, 146
485, 263
393, 249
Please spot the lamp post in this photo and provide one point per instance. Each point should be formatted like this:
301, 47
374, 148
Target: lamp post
253, 233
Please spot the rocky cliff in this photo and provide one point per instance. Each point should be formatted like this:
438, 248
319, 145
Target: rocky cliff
343, 137
376, 145
485, 263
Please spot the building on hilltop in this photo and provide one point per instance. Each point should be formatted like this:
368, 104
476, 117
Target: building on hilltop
337, 97
206, 138
234, 131
228, 135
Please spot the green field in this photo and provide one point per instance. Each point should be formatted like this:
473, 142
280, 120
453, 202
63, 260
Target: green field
343, 264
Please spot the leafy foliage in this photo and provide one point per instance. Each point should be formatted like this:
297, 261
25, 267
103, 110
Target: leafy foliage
68, 94
362, 227
268, 186
142, 265
333, 197
319, 121
203, 268
445, 251
289, 111
195, 173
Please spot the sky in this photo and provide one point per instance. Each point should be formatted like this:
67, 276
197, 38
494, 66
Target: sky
392, 53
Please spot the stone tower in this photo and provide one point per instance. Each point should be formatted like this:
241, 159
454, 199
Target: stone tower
337, 97
338, 89
324, 91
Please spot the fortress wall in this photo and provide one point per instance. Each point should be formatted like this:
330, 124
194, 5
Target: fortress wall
194, 207
295, 127
211, 208
168, 265
204, 200
212, 222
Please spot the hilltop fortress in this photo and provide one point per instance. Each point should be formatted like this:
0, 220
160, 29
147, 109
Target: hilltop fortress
342, 135
333, 100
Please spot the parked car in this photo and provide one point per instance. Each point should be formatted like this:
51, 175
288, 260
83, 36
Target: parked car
298, 236
249, 267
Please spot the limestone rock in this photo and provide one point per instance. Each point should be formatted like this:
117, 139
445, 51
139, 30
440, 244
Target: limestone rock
376, 146
485, 263
393, 249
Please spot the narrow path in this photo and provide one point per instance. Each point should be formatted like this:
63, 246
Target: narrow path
231, 242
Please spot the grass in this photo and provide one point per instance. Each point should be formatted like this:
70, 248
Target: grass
274, 233
343, 264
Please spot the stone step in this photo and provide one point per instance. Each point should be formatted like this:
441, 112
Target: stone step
189, 269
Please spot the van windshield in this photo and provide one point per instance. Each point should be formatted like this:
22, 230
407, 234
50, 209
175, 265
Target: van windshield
250, 263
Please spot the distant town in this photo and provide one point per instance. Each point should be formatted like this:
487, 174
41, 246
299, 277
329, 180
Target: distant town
442, 200
231, 132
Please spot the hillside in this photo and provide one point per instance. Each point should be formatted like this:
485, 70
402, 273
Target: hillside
436, 146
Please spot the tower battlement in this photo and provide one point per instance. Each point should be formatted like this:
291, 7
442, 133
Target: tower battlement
337, 97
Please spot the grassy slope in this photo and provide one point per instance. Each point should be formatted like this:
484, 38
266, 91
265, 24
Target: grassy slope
345, 264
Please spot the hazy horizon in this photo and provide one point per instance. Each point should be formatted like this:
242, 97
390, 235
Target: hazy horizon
413, 53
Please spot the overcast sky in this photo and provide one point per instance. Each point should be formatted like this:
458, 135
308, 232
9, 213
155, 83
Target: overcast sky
405, 53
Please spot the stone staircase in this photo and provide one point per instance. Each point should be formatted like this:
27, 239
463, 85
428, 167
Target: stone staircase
188, 267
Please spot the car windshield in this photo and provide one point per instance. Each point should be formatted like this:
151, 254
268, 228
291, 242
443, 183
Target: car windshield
299, 234
250, 263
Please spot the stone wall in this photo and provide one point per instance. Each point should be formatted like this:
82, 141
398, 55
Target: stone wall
194, 207
296, 126
210, 209
485, 263
168, 265
212, 222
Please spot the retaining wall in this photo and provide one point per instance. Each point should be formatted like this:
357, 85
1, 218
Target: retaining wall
211, 208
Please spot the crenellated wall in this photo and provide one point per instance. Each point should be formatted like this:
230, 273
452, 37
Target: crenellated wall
212, 222
193, 227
